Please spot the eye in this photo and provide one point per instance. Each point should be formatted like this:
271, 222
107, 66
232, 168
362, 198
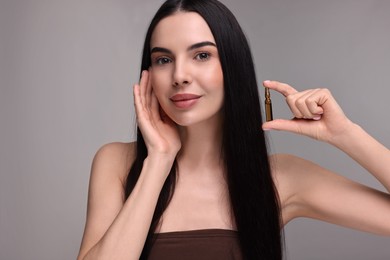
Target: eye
162, 60
202, 56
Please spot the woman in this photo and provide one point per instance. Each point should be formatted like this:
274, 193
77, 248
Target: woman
200, 166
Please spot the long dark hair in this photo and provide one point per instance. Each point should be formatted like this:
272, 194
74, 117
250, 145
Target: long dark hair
253, 197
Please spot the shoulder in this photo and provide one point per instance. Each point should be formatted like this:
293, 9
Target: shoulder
291, 175
288, 166
110, 167
283, 165
113, 161
299, 173
305, 188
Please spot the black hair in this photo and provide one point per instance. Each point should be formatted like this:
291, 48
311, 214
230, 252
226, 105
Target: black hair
253, 196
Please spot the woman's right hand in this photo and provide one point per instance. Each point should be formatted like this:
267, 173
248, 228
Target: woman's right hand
158, 130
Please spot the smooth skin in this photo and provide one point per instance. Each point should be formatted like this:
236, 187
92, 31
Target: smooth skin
117, 228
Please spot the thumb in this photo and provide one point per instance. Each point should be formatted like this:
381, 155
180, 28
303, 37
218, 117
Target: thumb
293, 125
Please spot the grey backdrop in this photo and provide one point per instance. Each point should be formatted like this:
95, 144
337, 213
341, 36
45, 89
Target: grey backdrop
67, 69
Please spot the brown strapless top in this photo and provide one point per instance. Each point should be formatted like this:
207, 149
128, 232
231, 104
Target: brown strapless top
205, 244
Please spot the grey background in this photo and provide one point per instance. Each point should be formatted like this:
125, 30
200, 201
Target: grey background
66, 74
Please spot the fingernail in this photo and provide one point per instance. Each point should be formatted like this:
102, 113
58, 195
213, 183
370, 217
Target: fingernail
266, 128
317, 118
267, 81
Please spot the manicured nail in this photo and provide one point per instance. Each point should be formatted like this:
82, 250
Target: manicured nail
266, 128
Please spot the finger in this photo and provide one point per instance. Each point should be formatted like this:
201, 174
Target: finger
303, 105
142, 86
165, 118
137, 99
294, 125
148, 91
314, 104
292, 103
306, 104
155, 107
300, 104
280, 87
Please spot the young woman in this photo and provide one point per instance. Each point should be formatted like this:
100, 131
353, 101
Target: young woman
199, 183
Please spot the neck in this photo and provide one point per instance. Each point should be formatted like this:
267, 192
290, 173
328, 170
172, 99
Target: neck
201, 145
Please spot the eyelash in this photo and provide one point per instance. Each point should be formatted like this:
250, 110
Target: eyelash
198, 56
164, 60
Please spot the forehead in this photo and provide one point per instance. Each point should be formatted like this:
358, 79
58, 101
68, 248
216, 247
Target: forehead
181, 28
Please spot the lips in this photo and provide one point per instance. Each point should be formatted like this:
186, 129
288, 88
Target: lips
184, 100
184, 97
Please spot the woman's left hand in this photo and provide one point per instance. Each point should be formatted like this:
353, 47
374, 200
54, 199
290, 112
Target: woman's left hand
316, 113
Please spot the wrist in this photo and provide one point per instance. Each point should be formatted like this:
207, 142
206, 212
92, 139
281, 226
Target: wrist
349, 134
159, 164
161, 158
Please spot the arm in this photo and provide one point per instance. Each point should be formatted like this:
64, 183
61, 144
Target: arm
367, 151
115, 228
318, 193
308, 190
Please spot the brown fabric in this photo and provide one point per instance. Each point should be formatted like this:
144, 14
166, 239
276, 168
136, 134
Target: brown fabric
206, 244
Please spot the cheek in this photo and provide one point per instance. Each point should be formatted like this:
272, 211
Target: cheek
157, 81
213, 78
218, 86
219, 78
161, 87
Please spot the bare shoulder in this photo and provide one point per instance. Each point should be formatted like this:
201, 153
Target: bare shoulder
286, 167
294, 172
110, 167
113, 160
283, 165
289, 173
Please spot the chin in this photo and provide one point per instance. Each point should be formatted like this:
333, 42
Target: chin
185, 122
195, 116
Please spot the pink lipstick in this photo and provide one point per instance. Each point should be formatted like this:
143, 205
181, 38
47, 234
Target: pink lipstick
184, 100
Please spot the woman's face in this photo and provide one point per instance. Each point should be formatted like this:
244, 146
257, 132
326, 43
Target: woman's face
186, 72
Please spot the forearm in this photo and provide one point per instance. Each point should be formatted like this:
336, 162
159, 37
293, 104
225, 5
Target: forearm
367, 151
126, 236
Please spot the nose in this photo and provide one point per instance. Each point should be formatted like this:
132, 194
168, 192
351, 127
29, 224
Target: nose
182, 74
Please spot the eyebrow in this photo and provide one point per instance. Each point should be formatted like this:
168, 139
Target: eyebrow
192, 47
200, 44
